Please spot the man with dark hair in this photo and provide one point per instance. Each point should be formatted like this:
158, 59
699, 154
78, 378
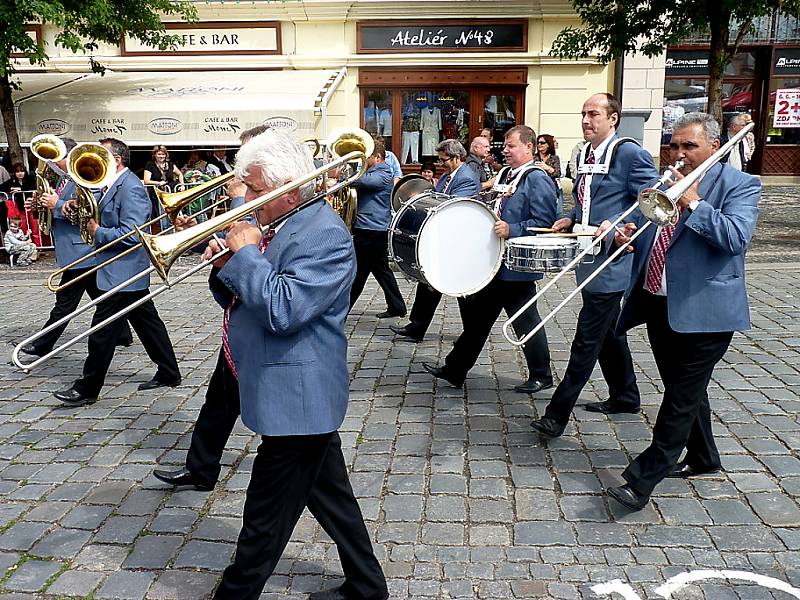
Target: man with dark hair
123, 205
69, 248
688, 286
599, 195
371, 236
528, 199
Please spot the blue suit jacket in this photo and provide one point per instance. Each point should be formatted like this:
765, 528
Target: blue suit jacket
705, 260
533, 204
66, 236
611, 194
374, 188
124, 205
287, 328
466, 183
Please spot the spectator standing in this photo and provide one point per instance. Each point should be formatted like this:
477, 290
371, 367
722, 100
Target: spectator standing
479, 151
546, 158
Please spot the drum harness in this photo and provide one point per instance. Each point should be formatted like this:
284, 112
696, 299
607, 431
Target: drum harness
502, 190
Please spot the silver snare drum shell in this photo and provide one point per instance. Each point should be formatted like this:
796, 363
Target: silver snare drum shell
540, 254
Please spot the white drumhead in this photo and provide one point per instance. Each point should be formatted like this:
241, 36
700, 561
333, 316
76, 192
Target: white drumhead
458, 249
542, 241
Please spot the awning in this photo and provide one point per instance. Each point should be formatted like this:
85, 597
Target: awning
180, 109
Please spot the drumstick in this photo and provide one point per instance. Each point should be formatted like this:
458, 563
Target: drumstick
541, 229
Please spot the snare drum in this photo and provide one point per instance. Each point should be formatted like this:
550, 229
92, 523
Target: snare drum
447, 242
540, 253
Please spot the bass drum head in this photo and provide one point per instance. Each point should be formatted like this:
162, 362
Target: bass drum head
458, 249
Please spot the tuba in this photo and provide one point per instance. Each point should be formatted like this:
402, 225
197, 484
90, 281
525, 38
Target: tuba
344, 141
91, 167
46, 148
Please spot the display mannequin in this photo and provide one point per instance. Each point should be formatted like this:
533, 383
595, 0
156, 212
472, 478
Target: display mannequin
385, 126
410, 127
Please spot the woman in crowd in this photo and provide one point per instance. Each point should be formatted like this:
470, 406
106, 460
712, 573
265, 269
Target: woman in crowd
162, 173
545, 157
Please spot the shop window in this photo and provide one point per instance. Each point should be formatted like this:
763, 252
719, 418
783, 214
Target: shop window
427, 118
781, 135
378, 114
682, 96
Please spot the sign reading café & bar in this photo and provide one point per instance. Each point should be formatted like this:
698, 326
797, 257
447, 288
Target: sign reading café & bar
443, 36
213, 38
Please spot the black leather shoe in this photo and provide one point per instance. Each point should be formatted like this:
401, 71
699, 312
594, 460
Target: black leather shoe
388, 314
334, 594
125, 342
155, 382
532, 386
628, 497
440, 373
548, 427
72, 397
407, 332
683, 470
611, 407
180, 478
32, 350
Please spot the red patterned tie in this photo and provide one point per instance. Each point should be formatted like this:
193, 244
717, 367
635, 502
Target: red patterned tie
582, 190
61, 185
447, 183
658, 258
226, 345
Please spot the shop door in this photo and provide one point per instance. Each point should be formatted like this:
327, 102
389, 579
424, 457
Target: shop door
498, 110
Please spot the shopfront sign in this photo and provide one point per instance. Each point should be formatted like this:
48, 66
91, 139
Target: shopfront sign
689, 63
53, 126
443, 36
214, 38
787, 61
165, 126
787, 108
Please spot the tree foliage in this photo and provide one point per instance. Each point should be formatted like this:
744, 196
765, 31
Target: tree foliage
611, 29
81, 25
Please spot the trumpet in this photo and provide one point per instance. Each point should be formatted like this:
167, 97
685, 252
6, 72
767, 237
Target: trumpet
165, 249
657, 206
173, 203
46, 148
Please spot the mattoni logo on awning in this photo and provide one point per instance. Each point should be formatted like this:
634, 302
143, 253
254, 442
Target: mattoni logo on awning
282, 123
165, 126
53, 126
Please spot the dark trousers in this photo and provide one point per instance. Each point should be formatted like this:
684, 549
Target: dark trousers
67, 301
479, 313
595, 339
685, 363
290, 473
214, 424
372, 257
147, 325
426, 299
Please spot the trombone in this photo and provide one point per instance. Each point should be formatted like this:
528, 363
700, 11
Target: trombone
165, 249
45, 147
658, 207
172, 203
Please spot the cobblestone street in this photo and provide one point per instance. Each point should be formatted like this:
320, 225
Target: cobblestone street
461, 498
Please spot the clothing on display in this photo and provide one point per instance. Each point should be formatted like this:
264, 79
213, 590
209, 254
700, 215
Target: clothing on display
385, 122
430, 125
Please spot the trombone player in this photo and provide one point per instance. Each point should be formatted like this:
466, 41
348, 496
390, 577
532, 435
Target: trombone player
688, 286
69, 248
123, 205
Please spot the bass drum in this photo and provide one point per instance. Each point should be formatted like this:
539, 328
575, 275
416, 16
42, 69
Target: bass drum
446, 242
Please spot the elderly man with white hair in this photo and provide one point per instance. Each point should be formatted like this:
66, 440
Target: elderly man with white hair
285, 291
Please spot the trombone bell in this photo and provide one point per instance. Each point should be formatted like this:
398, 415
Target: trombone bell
657, 207
174, 202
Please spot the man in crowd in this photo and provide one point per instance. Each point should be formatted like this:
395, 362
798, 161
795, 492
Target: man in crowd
458, 180
738, 157
286, 293
219, 159
688, 286
69, 248
123, 205
370, 233
529, 200
479, 151
600, 196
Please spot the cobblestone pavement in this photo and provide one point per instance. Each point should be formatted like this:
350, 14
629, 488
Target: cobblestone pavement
462, 500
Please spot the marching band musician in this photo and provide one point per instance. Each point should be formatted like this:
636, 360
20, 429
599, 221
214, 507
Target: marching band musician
528, 200
688, 286
69, 248
286, 296
601, 191
122, 206
457, 181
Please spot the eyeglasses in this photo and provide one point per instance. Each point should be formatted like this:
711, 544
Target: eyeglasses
441, 161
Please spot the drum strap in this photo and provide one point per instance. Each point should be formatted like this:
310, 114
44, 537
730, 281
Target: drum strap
589, 169
504, 188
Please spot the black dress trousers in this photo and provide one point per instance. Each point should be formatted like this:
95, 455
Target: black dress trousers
596, 339
214, 424
67, 301
426, 300
685, 363
148, 327
290, 473
372, 256
478, 315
